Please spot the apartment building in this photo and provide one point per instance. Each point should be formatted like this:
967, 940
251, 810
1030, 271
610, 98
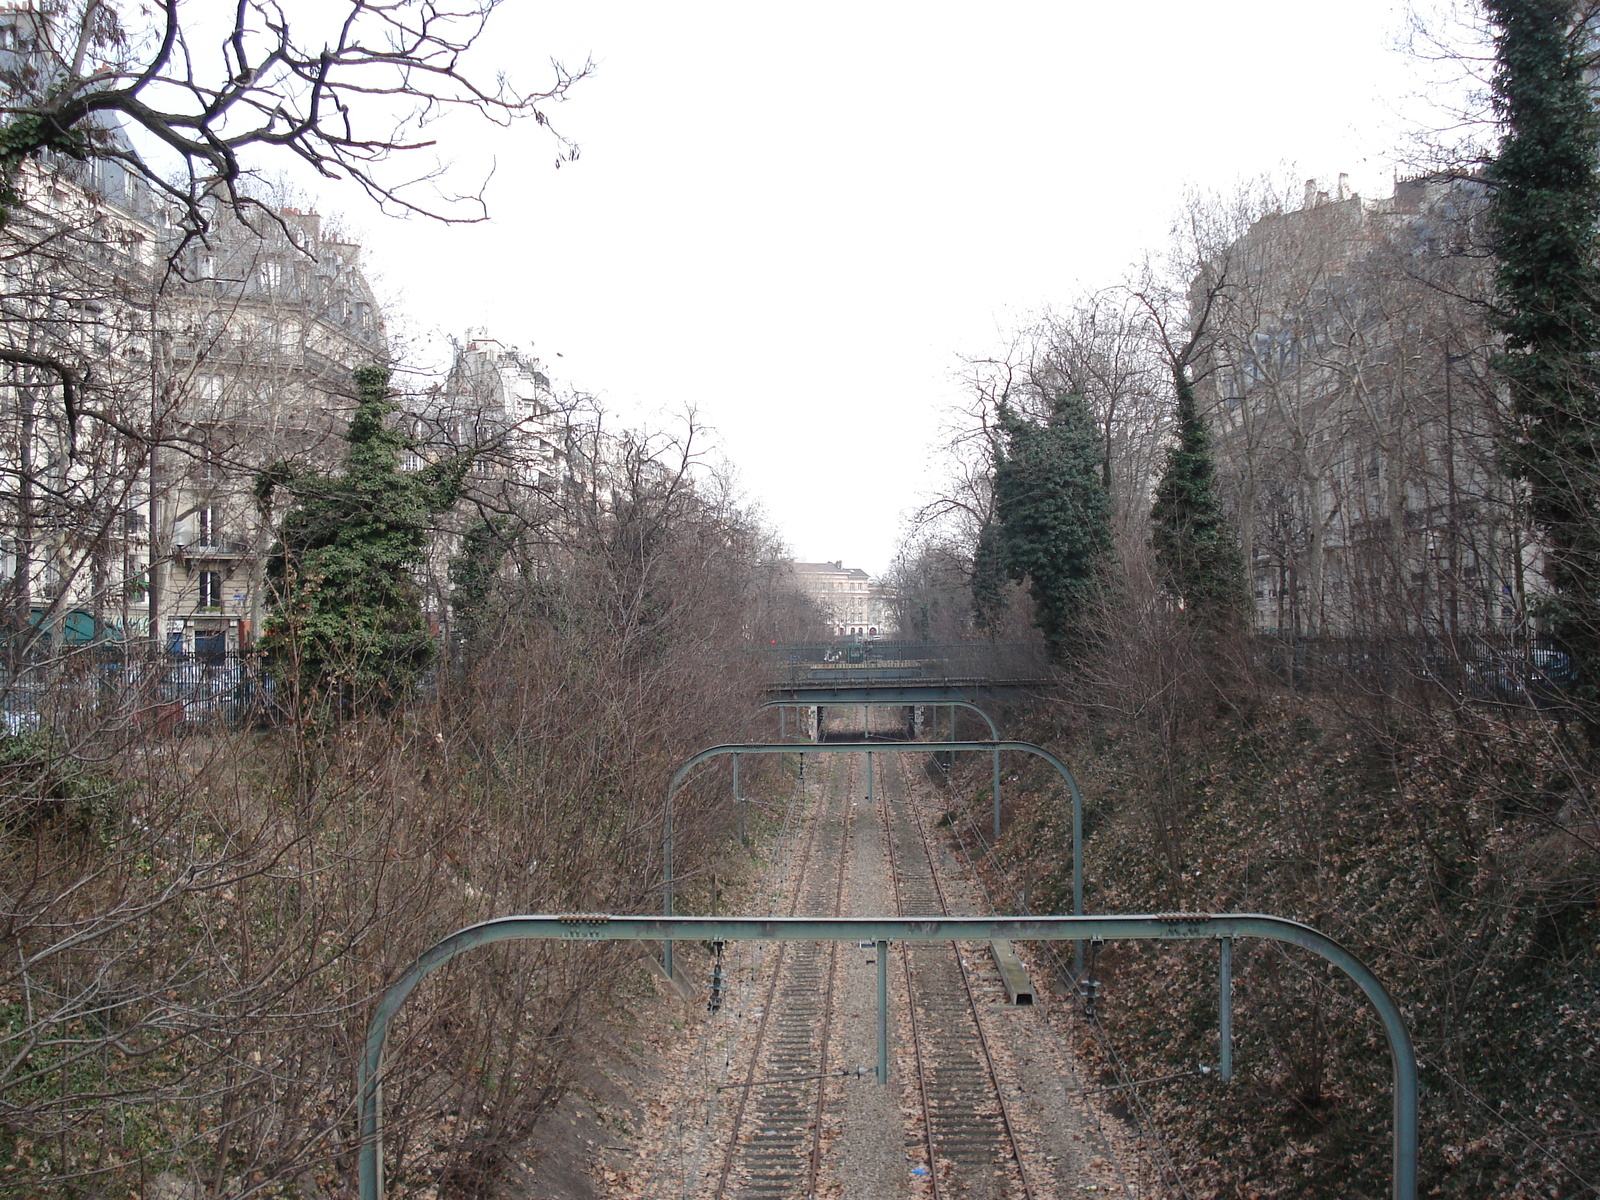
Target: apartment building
259, 340
854, 605
1344, 372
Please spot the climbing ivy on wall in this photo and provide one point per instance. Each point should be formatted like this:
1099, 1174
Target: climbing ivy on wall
1196, 550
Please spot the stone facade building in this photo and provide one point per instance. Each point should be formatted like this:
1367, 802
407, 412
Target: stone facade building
854, 605
258, 347
134, 517
1345, 375
147, 381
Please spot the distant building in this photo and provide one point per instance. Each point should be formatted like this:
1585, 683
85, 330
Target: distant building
1344, 371
198, 363
854, 605
497, 401
260, 345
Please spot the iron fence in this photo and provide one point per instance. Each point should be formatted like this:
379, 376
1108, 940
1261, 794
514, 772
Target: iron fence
1485, 668
109, 687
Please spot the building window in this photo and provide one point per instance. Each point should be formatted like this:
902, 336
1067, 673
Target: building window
210, 589
210, 529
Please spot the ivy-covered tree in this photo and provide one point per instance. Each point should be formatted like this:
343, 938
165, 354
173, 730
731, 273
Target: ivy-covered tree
988, 578
472, 574
1194, 542
347, 631
1052, 516
1543, 211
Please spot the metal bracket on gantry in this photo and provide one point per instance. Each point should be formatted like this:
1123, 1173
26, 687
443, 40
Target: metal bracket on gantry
870, 748
881, 931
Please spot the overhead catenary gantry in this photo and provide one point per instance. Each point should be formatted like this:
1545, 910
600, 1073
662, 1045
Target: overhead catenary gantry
870, 748
952, 705
883, 930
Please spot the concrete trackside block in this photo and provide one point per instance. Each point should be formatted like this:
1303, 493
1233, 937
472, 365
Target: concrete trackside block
677, 981
1019, 989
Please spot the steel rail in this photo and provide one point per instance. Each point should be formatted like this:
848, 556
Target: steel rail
911, 1015
769, 1005
993, 1073
596, 927
711, 752
972, 1007
833, 794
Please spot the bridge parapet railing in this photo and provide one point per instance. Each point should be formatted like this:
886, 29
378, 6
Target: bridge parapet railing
825, 661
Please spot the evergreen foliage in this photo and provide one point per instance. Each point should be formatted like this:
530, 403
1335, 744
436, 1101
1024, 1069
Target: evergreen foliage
1193, 539
348, 631
1052, 518
473, 572
31, 136
988, 578
1543, 211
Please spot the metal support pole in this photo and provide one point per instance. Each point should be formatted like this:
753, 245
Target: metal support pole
783, 719
871, 795
1226, 1011
738, 800
1077, 868
997, 795
666, 882
883, 1011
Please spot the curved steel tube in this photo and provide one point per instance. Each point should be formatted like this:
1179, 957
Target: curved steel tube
868, 747
1183, 926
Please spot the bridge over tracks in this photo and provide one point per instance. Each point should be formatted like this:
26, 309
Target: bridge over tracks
825, 673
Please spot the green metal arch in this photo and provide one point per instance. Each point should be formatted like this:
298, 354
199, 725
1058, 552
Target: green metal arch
863, 747
1176, 926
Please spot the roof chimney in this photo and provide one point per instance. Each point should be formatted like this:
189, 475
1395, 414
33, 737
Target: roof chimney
1310, 197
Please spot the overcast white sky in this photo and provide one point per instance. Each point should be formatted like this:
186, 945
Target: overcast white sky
797, 219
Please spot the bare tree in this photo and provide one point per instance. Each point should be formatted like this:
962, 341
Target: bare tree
1343, 369
345, 88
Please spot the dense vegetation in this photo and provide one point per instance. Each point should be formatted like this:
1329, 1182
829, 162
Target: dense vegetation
1452, 848
1543, 214
197, 925
1395, 754
347, 633
1052, 526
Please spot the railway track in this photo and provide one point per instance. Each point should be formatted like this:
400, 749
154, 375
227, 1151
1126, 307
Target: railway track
774, 1148
965, 1135
783, 1125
